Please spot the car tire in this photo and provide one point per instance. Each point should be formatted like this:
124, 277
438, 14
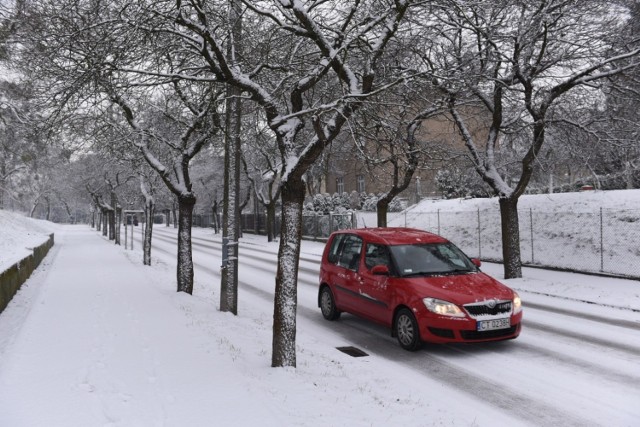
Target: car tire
406, 330
328, 304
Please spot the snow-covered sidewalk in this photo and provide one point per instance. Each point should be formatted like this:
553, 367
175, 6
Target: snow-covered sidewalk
102, 345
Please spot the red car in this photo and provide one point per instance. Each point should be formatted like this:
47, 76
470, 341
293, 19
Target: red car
418, 284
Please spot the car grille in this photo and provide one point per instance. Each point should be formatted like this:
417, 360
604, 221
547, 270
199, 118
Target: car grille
491, 307
484, 335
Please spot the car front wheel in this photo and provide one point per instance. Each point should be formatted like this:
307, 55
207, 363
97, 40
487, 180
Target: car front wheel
328, 305
406, 330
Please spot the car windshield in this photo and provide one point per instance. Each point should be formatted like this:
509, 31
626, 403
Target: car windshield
431, 259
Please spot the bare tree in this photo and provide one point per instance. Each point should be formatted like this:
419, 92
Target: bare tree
81, 50
299, 51
261, 162
195, 129
388, 138
517, 62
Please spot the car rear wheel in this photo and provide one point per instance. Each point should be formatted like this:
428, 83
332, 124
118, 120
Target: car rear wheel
328, 305
406, 330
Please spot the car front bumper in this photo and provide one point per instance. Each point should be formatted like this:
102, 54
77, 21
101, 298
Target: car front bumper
440, 329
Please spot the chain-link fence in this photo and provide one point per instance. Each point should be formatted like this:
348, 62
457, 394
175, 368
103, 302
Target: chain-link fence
321, 226
315, 227
605, 241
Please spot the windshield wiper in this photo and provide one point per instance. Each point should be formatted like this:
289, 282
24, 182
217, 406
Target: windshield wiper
421, 273
458, 271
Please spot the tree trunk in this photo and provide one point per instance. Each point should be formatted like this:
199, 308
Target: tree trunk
118, 223
271, 222
48, 215
149, 211
286, 294
510, 238
628, 174
33, 208
185, 259
105, 221
112, 218
382, 208
232, 153
214, 217
175, 215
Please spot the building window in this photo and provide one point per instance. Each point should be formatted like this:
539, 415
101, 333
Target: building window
360, 183
340, 185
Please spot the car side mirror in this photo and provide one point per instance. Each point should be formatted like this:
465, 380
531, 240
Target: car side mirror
380, 270
476, 262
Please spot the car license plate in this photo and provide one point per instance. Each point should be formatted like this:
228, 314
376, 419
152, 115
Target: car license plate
490, 325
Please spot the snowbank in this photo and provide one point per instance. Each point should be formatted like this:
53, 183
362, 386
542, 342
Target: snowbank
19, 235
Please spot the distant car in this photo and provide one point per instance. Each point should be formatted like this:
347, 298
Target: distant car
418, 284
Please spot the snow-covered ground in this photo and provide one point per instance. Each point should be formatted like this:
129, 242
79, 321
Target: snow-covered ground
19, 235
594, 231
96, 339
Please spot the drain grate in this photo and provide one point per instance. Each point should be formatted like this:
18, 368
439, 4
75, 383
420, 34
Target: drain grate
352, 351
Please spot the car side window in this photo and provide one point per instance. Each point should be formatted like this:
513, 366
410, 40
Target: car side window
376, 255
350, 252
334, 250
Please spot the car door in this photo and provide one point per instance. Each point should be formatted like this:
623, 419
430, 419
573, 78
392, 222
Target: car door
374, 288
345, 278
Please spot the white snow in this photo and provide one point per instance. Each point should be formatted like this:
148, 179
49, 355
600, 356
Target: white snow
94, 338
558, 230
19, 235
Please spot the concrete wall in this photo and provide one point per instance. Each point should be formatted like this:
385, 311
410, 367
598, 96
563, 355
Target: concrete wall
12, 278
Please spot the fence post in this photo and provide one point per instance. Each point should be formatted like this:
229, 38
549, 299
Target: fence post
439, 223
316, 226
330, 222
531, 227
601, 242
479, 237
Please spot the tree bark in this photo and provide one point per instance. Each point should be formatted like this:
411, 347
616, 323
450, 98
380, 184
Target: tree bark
149, 211
105, 221
214, 217
382, 208
271, 222
510, 238
286, 294
175, 214
186, 204
232, 150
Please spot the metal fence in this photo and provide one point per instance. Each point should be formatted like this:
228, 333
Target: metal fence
321, 226
317, 227
606, 241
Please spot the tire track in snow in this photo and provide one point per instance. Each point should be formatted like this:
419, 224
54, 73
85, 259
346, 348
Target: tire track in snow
603, 342
496, 394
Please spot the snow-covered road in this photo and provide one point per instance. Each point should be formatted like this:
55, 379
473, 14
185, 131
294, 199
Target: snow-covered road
96, 339
574, 364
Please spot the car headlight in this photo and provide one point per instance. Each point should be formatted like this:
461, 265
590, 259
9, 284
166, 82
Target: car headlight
443, 308
517, 303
